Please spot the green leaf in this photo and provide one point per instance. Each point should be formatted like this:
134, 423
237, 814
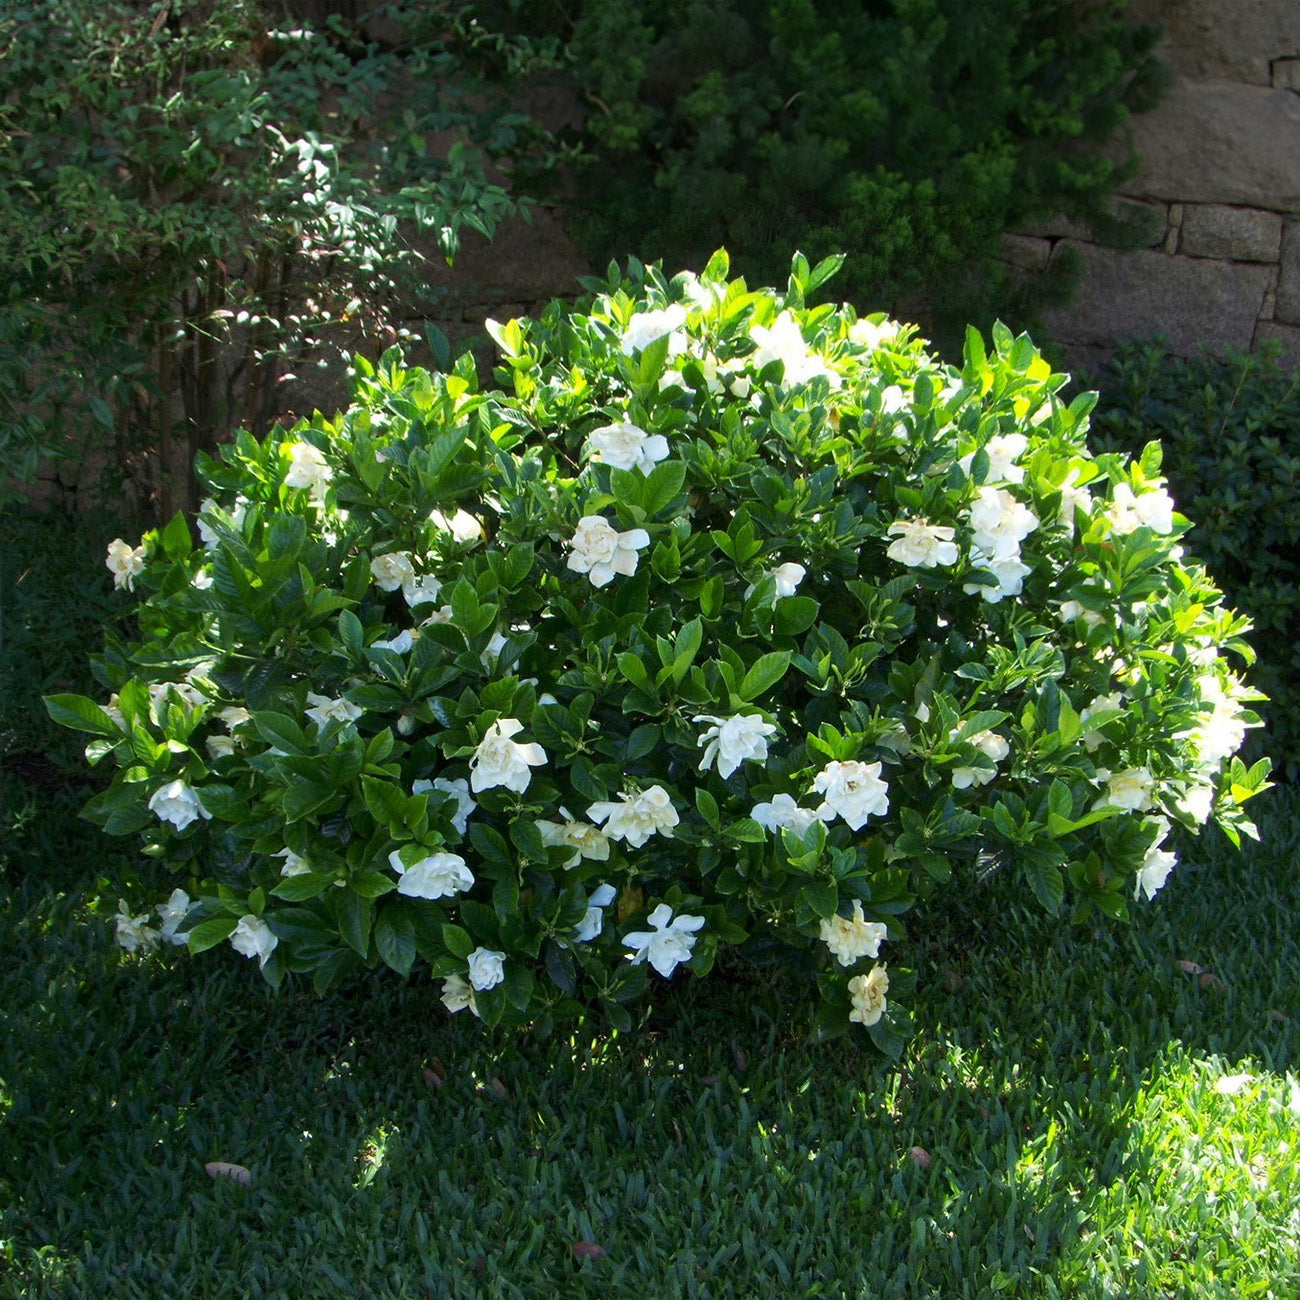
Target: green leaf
395, 938
294, 889
354, 917
662, 486
1045, 880
81, 714
766, 672
371, 884
795, 614
207, 934
281, 732
351, 633
822, 897
458, 942
176, 540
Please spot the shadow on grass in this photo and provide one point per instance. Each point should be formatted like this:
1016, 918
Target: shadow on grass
1053, 1080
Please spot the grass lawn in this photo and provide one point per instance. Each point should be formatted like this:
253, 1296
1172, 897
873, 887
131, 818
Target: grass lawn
1087, 1113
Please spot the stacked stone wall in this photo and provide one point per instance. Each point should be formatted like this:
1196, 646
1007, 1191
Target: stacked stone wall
1217, 190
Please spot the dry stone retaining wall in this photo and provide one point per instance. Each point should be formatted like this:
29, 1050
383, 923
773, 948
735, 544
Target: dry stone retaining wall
1219, 185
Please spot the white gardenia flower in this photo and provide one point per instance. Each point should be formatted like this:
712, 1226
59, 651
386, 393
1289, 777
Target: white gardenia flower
593, 922
868, 994
486, 968
392, 570
1129, 789
175, 802
600, 551
851, 937
1130, 511
627, 446
399, 644
731, 741
459, 791
637, 816
1219, 734
1003, 450
1156, 865
1074, 609
133, 932
784, 341
1073, 499
1092, 739
1009, 571
331, 710
202, 579
126, 563
307, 467
1196, 801
987, 742
851, 790
646, 326
443, 614
220, 747
586, 841
457, 994
921, 544
867, 334
233, 716
783, 814
172, 913
668, 944
1000, 523
207, 533
423, 590
787, 577
252, 937
502, 761
462, 526
439, 875
294, 865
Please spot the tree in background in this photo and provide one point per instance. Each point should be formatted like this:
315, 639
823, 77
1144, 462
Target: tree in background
201, 196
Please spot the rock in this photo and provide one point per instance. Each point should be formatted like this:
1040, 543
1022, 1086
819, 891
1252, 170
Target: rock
1287, 339
1242, 234
1220, 142
1193, 302
1235, 39
1026, 254
1286, 74
1287, 306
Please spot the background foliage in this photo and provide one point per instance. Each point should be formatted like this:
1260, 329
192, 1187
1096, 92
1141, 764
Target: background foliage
1230, 428
201, 195
908, 134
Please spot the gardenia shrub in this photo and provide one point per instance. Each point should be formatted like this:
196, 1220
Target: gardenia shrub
726, 624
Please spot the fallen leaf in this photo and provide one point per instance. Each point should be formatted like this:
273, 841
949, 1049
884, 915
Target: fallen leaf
1209, 980
1232, 1084
588, 1250
920, 1157
231, 1173
432, 1077
1188, 967
1277, 1017
498, 1087
952, 981
741, 1062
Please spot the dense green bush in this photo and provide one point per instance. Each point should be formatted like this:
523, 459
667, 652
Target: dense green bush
1230, 428
727, 622
201, 196
910, 135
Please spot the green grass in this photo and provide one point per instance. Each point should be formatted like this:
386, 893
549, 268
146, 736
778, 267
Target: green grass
1066, 1087
1063, 1085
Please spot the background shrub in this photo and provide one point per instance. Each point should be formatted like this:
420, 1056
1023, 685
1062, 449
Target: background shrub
203, 196
909, 136
1230, 428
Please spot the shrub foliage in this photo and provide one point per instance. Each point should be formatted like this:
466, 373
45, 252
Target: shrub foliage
911, 135
725, 622
1230, 429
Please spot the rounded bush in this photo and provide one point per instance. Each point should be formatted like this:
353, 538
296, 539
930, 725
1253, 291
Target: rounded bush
726, 622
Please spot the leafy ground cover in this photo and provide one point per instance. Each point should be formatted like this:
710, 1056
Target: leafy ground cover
1094, 1113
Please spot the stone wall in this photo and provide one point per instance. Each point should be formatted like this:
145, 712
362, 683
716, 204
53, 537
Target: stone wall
1218, 188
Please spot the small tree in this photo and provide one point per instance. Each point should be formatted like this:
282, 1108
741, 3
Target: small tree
203, 194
